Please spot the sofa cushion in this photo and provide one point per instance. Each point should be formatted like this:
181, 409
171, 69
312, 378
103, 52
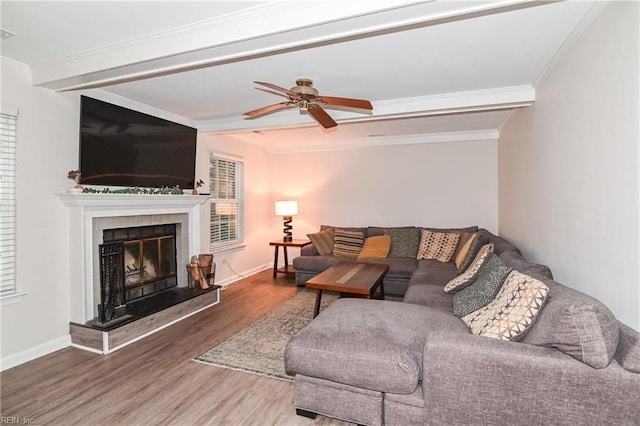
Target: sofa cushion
438, 246
375, 247
628, 351
577, 325
316, 263
499, 243
471, 273
404, 242
513, 311
372, 231
322, 241
347, 243
477, 242
433, 272
430, 296
490, 277
345, 228
399, 267
515, 260
368, 344
471, 229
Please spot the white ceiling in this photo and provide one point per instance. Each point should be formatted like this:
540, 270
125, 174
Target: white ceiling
434, 70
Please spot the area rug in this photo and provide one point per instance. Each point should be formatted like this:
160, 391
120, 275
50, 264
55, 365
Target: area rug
259, 347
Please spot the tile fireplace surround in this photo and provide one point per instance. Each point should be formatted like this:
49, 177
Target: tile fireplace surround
90, 214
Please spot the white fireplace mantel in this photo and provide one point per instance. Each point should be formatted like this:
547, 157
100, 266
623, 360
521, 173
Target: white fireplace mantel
143, 200
84, 208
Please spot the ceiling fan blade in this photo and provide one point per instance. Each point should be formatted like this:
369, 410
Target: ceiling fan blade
321, 116
273, 92
275, 87
269, 108
346, 102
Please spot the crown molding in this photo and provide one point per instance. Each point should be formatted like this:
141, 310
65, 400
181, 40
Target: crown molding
590, 16
378, 141
449, 103
261, 30
11, 63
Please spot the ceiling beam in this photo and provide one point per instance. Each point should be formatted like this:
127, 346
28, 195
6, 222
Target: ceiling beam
267, 29
422, 106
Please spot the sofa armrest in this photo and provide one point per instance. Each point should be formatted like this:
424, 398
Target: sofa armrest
478, 380
309, 250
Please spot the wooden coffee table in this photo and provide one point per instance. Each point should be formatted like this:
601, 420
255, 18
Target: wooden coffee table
351, 279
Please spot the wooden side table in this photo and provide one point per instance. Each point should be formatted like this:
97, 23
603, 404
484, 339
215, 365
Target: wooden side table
286, 269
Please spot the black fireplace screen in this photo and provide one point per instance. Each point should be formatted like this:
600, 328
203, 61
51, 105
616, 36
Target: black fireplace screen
134, 263
149, 259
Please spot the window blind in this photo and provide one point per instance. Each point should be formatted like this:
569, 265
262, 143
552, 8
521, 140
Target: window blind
226, 186
8, 124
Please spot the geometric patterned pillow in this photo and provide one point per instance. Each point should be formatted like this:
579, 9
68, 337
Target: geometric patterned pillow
438, 246
347, 243
322, 241
471, 273
490, 277
513, 311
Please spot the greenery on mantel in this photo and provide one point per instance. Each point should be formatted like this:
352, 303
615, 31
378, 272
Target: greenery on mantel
163, 190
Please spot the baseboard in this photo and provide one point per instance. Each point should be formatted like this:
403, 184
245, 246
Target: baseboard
30, 354
243, 275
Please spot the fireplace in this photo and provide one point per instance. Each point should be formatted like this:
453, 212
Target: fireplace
90, 216
135, 263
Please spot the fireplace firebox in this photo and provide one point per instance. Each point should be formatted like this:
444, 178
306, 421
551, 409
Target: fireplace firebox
135, 263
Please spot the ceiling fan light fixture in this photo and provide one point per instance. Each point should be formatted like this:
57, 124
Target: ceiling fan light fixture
304, 89
306, 98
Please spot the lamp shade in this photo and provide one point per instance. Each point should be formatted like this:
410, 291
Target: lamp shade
286, 208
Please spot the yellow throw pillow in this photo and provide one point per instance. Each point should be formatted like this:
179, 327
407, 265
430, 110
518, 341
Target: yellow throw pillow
464, 249
375, 247
464, 237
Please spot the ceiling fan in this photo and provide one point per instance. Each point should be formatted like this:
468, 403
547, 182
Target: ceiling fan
305, 96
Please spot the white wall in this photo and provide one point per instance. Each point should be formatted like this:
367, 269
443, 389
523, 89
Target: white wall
48, 129
47, 149
259, 227
439, 184
568, 166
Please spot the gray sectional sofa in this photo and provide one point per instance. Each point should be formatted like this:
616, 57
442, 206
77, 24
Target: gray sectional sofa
411, 362
401, 269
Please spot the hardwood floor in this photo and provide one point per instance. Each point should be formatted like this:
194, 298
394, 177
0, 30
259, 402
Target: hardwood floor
155, 381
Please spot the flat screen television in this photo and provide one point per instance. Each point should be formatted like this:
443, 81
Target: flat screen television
123, 147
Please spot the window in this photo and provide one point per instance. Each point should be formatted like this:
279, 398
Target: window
8, 123
226, 184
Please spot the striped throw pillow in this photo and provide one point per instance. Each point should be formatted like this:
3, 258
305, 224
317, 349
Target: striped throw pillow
322, 241
347, 243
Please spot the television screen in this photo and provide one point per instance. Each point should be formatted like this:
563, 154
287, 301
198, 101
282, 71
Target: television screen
122, 147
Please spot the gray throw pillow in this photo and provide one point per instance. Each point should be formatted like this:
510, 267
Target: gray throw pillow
404, 242
490, 278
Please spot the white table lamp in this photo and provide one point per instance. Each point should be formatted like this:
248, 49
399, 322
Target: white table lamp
287, 209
